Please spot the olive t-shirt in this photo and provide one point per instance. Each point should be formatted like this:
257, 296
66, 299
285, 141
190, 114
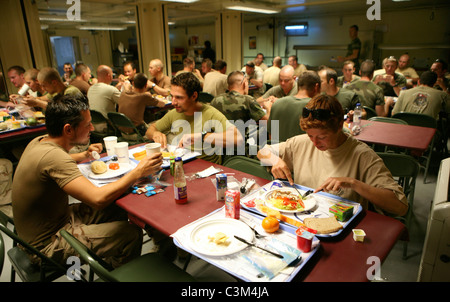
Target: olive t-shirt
40, 206
209, 119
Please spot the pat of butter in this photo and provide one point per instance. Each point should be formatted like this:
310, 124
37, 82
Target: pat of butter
358, 235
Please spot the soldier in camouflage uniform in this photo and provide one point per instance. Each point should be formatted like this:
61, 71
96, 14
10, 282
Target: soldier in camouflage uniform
391, 81
370, 94
236, 104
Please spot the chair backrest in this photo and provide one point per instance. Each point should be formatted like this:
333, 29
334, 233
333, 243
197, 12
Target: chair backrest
100, 268
417, 119
47, 263
205, 97
125, 125
248, 165
388, 120
97, 117
405, 169
370, 112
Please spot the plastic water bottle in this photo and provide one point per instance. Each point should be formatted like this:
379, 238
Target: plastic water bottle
179, 182
357, 113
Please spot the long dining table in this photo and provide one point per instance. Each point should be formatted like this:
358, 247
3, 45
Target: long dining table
338, 258
413, 138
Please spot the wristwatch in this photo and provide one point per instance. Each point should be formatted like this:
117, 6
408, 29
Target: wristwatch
153, 85
203, 135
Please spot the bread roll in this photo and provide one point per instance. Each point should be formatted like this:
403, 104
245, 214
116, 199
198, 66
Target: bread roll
98, 167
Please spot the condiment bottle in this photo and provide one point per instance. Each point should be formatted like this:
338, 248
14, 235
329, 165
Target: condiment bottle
179, 182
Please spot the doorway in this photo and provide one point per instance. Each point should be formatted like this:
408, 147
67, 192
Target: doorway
65, 50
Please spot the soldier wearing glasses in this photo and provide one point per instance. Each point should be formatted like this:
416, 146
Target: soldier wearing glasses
326, 158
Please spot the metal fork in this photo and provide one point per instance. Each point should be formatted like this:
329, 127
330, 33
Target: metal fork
257, 235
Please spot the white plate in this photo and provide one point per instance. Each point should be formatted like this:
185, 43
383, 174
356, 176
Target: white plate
124, 168
309, 202
200, 242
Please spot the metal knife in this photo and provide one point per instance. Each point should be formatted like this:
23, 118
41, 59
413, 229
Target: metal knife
252, 244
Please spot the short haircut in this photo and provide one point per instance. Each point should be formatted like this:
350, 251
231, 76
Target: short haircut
80, 68
140, 80
331, 74
277, 61
294, 57
17, 68
367, 68
327, 102
390, 59
428, 78
355, 27
133, 66
348, 62
220, 64
32, 73
64, 110
442, 62
308, 80
48, 74
208, 62
188, 61
234, 77
188, 81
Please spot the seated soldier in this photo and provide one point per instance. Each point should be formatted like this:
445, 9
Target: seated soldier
328, 159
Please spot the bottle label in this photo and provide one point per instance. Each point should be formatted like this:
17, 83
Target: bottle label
180, 192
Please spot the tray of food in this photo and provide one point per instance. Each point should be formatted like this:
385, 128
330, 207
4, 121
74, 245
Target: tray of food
328, 214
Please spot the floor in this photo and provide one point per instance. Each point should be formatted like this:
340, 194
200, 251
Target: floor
394, 269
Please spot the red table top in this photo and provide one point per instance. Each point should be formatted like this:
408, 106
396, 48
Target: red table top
338, 259
22, 134
396, 135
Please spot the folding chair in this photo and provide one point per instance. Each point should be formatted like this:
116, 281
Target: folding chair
128, 130
146, 268
205, 97
422, 120
404, 168
248, 165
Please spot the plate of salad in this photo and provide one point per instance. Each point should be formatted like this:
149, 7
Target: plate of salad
288, 200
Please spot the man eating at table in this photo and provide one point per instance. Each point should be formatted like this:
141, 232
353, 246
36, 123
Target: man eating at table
328, 159
192, 124
47, 174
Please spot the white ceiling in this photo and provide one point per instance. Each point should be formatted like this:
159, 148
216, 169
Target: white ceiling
121, 12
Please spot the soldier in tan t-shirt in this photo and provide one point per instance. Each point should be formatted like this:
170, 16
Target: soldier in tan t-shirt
47, 174
325, 158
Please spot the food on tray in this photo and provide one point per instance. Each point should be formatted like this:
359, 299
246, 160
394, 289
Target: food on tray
3, 126
98, 167
279, 216
219, 238
140, 155
285, 200
341, 211
270, 224
323, 225
114, 166
167, 154
39, 114
15, 125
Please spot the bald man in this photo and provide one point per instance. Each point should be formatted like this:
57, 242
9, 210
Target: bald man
102, 96
272, 74
158, 83
287, 87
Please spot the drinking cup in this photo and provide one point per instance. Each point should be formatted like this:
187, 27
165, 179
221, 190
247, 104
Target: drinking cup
122, 152
152, 148
110, 143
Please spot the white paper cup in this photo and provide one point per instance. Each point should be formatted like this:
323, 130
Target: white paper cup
23, 90
110, 143
152, 148
122, 152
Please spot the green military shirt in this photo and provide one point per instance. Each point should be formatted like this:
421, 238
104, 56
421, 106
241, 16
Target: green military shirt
355, 44
278, 92
236, 106
370, 94
388, 89
347, 98
341, 83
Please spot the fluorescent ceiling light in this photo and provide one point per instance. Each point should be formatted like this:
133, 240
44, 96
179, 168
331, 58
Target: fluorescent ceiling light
400, 0
294, 27
182, 1
253, 9
60, 19
93, 27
